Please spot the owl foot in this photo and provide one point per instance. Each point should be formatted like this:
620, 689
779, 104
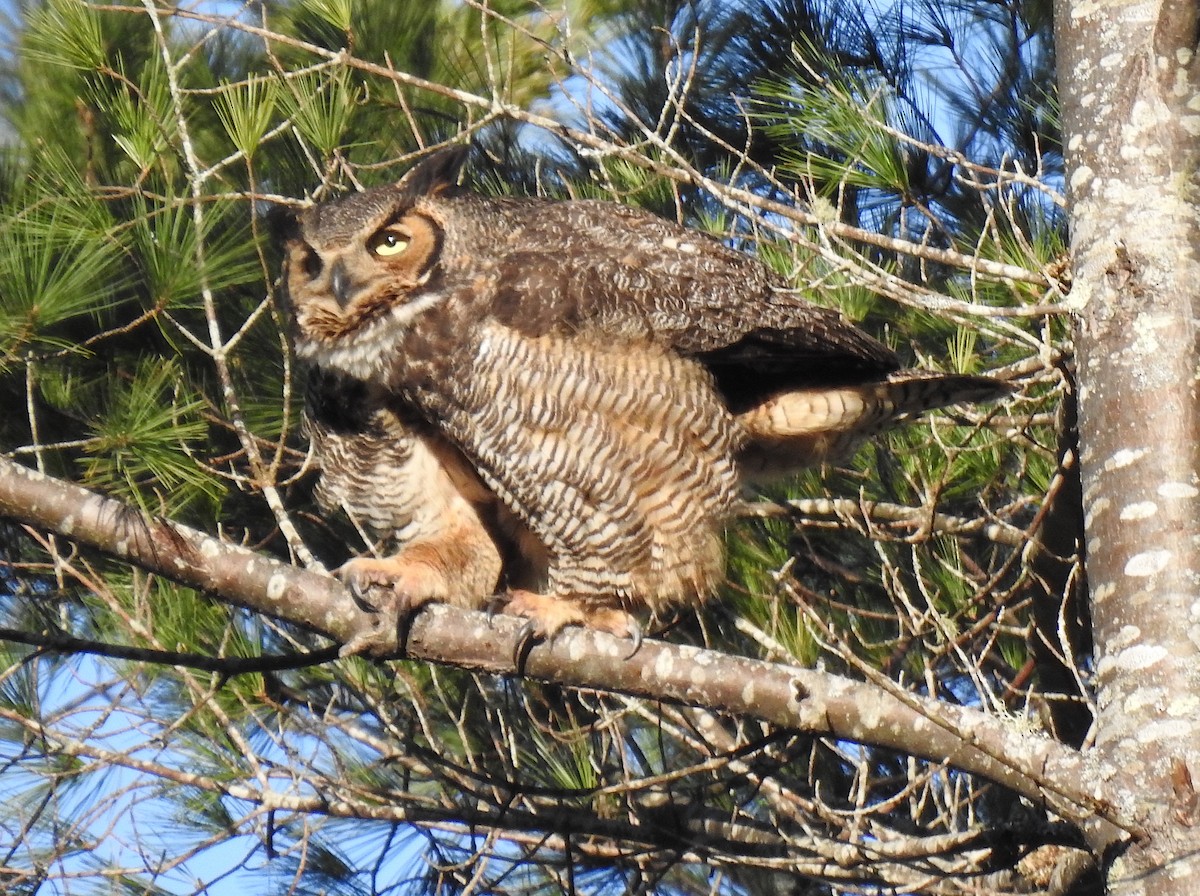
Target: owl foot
395, 589
548, 615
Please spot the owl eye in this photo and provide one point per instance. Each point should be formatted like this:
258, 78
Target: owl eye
388, 242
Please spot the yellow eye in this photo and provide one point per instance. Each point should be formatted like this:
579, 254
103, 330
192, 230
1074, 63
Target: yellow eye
388, 242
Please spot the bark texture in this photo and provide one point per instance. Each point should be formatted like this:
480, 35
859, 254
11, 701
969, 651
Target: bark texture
1131, 110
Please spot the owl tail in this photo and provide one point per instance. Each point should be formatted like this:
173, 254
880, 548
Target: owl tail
809, 427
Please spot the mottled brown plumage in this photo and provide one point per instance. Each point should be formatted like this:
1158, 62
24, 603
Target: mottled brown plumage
408, 489
563, 398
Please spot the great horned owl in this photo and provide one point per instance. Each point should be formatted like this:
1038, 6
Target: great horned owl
563, 398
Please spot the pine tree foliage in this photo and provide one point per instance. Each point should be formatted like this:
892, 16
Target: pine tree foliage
901, 164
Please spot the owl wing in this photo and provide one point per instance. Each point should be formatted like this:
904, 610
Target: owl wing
625, 274
804, 384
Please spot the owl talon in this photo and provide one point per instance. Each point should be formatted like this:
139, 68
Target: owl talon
527, 638
549, 614
359, 593
495, 604
361, 576
635, 635
391, 588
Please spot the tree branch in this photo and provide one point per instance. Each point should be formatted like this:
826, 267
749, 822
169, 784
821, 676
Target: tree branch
1038, 768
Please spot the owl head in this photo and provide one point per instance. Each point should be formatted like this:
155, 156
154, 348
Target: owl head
358, 271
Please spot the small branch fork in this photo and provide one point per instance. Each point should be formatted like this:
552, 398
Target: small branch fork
1040, 769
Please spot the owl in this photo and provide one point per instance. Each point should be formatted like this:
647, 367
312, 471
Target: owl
561, 401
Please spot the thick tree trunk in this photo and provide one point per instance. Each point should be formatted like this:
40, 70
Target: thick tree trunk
1131, 114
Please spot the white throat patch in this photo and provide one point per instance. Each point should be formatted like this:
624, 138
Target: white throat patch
366, 354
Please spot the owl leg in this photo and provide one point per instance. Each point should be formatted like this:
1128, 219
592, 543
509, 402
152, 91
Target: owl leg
413, 582
395, 586
548, 614
455, 569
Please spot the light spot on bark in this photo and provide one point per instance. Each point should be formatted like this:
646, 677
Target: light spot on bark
1139, 510
1190, 123
748, 694
122, 548
1183, 706
871, 714
1077, 299
1148, 563
1112, 60
1141, 656
1094, 509
1124, 458
1146, 116
1103, 590
1178, 490
577, 651
1080, 177
209, 549
1084, 8
1129, 634
276, 586
1165, 729
698, 676
68, 526
1146, 328
1143, 698
664, 665
1183, 55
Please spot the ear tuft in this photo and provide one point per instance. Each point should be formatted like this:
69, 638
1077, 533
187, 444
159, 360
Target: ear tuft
436, 173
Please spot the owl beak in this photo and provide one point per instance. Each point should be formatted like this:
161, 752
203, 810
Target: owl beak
340, 283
